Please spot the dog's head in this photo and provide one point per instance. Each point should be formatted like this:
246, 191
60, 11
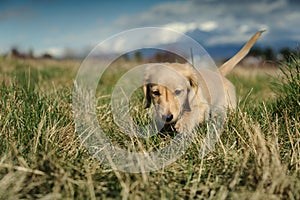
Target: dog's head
170, 88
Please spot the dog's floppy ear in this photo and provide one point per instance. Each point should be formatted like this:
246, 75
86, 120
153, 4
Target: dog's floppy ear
147, 88
190, 74
147, 95
192, 91
193, 81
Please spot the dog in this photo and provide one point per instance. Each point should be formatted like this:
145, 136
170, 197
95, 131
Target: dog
185, 97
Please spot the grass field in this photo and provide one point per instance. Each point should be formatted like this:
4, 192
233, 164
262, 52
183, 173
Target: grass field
256, 157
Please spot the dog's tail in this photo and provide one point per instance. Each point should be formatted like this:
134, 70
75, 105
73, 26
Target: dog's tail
231, 63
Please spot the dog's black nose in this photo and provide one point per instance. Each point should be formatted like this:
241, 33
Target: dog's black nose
167, 118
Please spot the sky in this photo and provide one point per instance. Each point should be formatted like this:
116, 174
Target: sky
59, 26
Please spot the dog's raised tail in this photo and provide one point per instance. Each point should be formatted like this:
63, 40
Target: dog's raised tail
232, 62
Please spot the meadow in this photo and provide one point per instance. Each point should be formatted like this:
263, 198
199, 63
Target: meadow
41, 157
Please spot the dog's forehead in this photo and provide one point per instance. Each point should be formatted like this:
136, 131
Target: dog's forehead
166, 76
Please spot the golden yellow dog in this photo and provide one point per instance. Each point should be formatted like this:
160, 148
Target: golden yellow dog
183, 96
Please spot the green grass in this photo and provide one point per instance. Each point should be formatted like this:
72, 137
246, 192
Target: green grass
257, 156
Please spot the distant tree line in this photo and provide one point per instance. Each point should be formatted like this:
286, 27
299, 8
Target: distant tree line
263, 53
268, 53
14, 52
154, 56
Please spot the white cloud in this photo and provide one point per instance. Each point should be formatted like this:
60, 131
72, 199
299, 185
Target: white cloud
264, 7
181, 27
138, 38
54, 51
208, 26
185, 27
226, 21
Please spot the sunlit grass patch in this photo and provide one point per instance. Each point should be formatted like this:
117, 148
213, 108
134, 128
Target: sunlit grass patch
257, 155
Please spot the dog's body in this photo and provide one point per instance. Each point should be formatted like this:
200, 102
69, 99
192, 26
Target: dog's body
185, 96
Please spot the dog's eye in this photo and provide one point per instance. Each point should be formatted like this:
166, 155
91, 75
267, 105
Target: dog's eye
156, 93
177, 92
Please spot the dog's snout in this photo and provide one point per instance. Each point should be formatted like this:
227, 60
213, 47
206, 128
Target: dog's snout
167, 118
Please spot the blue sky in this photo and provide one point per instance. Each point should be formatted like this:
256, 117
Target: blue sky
45, 25
55, 26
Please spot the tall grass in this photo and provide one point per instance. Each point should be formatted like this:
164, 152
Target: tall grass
256, 157
288, 90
